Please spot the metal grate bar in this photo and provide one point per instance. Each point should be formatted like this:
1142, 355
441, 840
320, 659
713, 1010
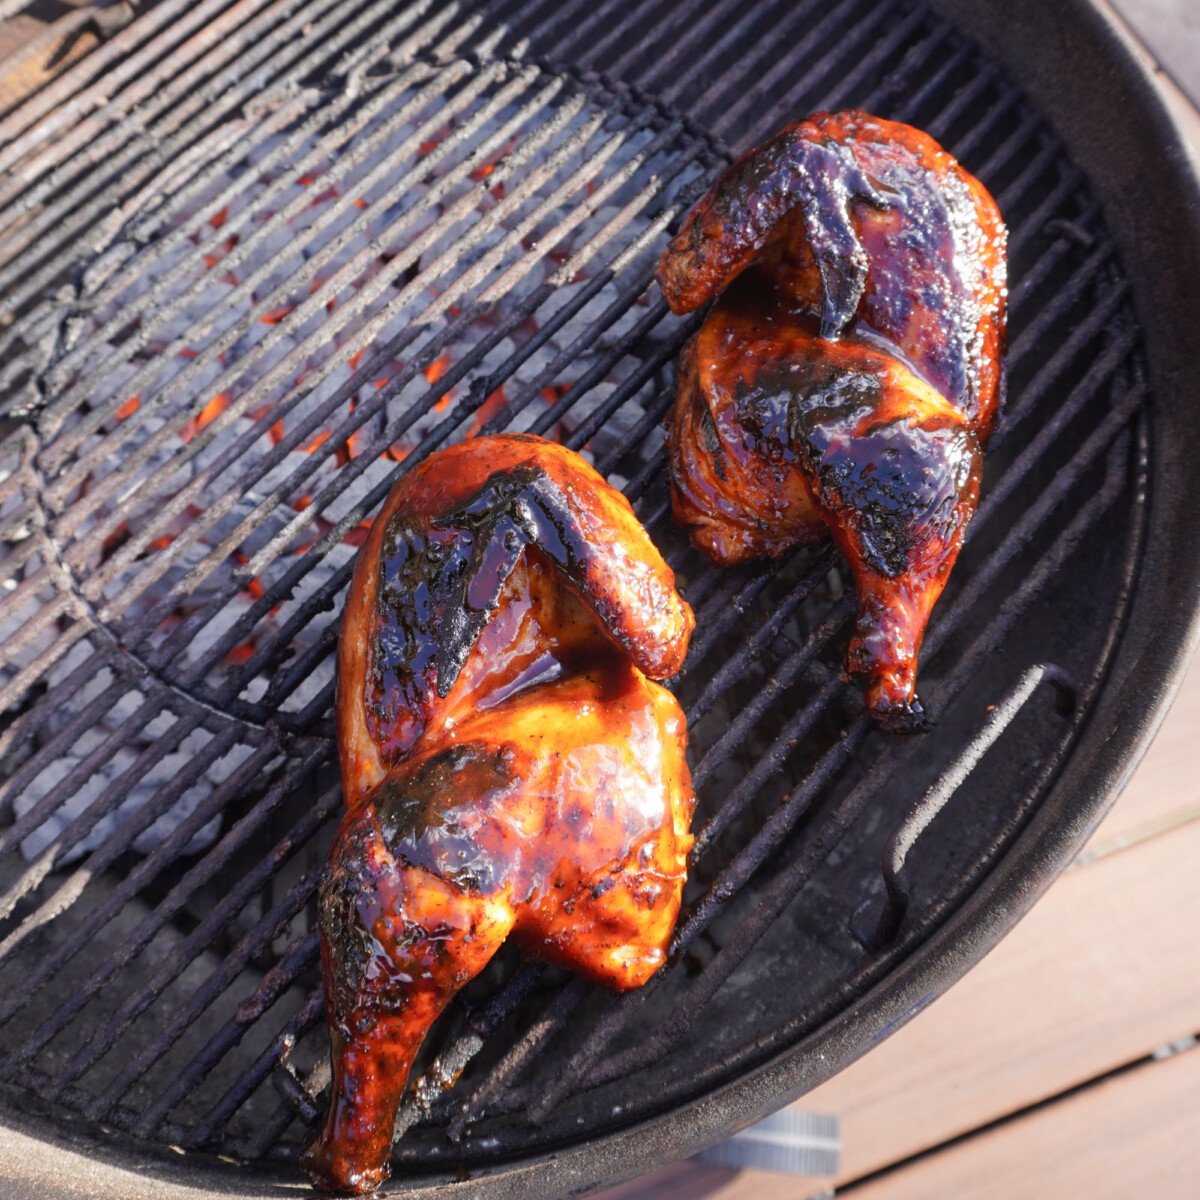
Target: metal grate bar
736, 874
620, 305
221, 43
306, 1018
52, 613
488, 1093
586, 33
215, 511
732, 879
102, 1040
1063, 188
334, 117
316, 302
689, 47
794, 877
783, 745
954, 53
251, 882
244, 777
734, 601
33, 582
35, 122
45, 169
204, 359
883, 48
56, 411
1072, 335
330, 45
69, 890
342, 132
1023, 133
22, 826
1047, 437
729, 114
480, 1025
32, 719
50, 174
941, 124
1082, 277
291, 483
663, 354
297, 573
224, 1040
300, 955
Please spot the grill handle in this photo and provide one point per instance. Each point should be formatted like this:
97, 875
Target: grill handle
895, 854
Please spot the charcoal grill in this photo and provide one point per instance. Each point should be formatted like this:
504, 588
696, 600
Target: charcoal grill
260, 257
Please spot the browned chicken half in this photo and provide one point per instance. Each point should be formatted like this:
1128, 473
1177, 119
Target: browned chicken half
509, 769
849, 374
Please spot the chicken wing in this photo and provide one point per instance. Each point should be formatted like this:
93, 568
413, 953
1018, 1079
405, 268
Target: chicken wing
849, 373
508, 767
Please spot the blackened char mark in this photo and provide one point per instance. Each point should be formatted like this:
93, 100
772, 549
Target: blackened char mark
441, 582
512, 511
431, 816
349, 945
712, 443
893, 484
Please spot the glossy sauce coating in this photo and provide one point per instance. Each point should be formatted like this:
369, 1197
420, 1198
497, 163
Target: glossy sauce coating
849, 373
509, 769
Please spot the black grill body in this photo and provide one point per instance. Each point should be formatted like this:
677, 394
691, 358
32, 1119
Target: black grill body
178, 568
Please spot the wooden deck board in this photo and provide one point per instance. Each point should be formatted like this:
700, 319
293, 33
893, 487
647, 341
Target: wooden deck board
1131, 1136
1171, 30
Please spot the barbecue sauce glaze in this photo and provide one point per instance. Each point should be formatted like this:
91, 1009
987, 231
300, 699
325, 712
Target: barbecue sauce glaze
509, 769
848, 375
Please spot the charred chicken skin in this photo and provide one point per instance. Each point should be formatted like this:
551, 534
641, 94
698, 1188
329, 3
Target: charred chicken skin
509, 769
848, 376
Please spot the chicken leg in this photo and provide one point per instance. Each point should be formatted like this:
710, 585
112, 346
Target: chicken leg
848, 376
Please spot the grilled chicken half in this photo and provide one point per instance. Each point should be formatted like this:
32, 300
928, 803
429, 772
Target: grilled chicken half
509, 767
848, 376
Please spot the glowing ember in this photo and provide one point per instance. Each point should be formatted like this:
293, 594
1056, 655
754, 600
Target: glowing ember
207, 415
490, 408
433, 373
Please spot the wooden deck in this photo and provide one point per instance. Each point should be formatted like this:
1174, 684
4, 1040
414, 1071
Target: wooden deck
1065, 1065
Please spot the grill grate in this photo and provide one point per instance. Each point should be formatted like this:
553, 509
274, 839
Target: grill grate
173, 570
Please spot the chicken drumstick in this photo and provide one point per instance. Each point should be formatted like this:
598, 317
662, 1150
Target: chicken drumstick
508, 767
848, 376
